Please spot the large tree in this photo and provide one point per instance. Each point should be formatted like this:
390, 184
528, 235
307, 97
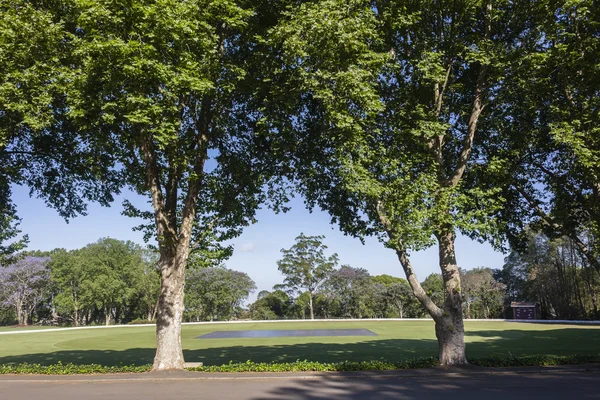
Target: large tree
167, 96
305, 267
386, 122
110, 267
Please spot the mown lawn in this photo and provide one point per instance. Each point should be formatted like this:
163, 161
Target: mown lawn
396, 340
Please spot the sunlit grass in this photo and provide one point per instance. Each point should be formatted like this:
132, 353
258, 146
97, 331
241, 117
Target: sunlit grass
396, 340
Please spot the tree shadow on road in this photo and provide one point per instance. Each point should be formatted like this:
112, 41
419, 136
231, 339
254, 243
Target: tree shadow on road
424, 384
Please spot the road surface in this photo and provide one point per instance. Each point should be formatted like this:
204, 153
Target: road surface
487, 384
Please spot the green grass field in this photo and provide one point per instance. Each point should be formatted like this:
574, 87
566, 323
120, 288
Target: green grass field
397, 340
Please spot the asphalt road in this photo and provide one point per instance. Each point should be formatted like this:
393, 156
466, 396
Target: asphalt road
564, 384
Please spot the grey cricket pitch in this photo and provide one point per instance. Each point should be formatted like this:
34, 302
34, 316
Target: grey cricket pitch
488, 384
271, 333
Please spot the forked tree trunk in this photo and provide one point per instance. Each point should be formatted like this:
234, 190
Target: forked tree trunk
450, 332
169, 352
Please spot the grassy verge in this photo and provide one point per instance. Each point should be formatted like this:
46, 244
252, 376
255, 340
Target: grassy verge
396, 340
301, 366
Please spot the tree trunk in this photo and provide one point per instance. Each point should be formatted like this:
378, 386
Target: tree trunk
169, 352
310, 306
76, 316
401, 309
106, 316
21, 316
449, 327
450, 332
155, 310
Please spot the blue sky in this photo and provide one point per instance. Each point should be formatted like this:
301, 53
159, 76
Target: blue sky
256, 250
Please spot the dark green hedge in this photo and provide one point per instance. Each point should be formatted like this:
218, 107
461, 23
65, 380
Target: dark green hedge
302, 366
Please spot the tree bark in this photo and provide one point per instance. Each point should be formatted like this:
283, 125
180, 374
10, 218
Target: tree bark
310, 306
76, 316
169, 352
21, 316
106, 315
449, 327
450, 332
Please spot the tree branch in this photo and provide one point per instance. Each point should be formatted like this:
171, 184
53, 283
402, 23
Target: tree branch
165, 232
548, 221
476, 110
195, 180
402, 254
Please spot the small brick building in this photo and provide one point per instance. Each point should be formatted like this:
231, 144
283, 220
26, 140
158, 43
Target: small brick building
525, 310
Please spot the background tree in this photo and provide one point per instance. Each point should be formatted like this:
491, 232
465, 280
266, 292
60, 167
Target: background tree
111, 266
305, 267
271, 305
23, 284
216, 293
396, 297
481, 290
555, 274
353, 288
68, 274
147, 284
433, 285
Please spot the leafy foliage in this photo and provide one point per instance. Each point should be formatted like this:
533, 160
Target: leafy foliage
305, 266
302, 366
556, 275
215, 293
23, 284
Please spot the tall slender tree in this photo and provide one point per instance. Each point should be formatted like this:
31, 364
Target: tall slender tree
305, 267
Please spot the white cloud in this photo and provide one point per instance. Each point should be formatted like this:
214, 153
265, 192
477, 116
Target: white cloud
247, 247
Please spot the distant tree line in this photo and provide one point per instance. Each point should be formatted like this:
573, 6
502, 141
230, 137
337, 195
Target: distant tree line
556, 274
553, 273
117, 282
109, 282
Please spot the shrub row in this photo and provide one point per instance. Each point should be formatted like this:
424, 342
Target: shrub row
535, 360
69, 369
305, 366
301, 366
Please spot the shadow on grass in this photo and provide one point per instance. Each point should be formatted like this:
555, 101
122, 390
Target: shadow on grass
563, 341
492, 343
388, 350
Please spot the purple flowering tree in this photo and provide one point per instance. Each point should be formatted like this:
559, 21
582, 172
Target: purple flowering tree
22, 285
